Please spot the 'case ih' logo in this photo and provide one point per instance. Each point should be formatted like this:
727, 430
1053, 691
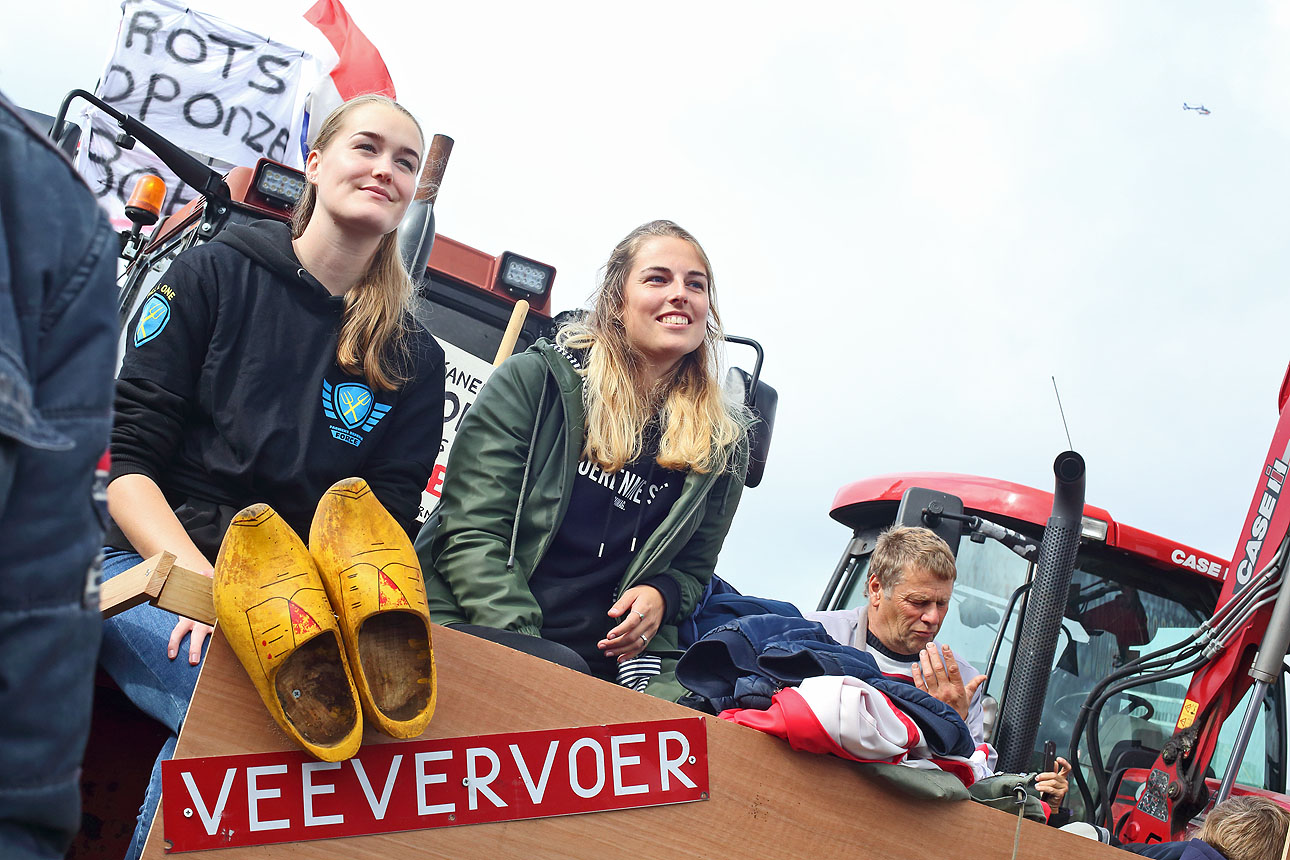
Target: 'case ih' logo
1276, 475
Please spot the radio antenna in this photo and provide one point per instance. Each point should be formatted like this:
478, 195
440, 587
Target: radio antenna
1070, 445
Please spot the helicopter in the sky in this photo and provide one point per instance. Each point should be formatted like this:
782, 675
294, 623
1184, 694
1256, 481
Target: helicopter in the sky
1200, 109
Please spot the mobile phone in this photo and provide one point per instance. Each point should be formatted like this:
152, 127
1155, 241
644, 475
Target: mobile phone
1050, 761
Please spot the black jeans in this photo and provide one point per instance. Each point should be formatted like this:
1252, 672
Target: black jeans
552, 652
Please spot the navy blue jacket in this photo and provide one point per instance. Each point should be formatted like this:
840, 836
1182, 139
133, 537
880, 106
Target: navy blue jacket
722, 603
1192, 849
57, 352
743, 663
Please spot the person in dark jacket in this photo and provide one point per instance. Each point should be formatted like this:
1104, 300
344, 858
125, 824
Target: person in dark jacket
267, 365
592, 482
57, 345
1248, 827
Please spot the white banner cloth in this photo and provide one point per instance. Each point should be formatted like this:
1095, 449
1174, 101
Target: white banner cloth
223, 93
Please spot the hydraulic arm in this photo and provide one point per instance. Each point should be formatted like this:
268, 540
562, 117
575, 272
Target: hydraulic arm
1244, 643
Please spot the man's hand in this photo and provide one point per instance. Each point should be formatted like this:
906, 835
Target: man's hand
939, 676
1052, 785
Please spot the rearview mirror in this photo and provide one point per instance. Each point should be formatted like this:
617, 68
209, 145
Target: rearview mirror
761, 400
925, 508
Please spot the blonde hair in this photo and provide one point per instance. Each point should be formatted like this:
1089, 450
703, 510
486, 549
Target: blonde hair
1246, 828
902, 547
699, 422
377, 310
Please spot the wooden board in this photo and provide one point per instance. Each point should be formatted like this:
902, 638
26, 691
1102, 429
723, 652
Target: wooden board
140, 584
766, 799
159, 581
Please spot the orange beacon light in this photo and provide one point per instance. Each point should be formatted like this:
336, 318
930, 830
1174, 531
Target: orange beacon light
144, 206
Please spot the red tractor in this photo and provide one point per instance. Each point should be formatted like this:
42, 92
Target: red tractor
1150, 644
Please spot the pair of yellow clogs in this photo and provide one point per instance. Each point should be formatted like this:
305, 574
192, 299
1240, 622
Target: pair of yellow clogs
333, 630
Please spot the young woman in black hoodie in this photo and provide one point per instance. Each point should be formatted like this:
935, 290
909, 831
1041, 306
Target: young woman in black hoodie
267, 365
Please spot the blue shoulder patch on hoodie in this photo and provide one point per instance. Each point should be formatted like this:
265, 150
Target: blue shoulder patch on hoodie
152, 319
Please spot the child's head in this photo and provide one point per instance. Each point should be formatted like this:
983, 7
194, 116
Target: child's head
1246, 828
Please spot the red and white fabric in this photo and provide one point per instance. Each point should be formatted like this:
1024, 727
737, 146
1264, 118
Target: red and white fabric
849, 718
850, 627
358, 69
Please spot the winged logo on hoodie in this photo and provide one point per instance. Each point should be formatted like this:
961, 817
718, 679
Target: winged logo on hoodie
354, 406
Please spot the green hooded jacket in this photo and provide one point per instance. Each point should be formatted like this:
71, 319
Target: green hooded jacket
505, 494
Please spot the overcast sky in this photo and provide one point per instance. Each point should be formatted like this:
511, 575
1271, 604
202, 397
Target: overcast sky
923, 211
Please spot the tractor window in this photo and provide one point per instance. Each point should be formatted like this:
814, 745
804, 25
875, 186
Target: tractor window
1110, 621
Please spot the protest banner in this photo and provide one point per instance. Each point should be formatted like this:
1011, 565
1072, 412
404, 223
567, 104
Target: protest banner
223, 93
465, 374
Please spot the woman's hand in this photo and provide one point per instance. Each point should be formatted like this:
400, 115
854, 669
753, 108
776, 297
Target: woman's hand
1052, 785
141, 510
194, 630
642, 606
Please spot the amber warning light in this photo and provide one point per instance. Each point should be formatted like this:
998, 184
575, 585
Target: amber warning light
144, 205
143, 208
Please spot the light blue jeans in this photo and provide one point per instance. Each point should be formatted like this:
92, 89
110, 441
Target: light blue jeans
134, 654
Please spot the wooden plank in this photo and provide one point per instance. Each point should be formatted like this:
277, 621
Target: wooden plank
140, 584
189, 594
765, 798
158, 580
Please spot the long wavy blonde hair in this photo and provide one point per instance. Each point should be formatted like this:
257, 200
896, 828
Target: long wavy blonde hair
378, 309
700, 423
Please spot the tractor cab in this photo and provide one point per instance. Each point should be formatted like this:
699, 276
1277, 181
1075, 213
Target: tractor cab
1131, 593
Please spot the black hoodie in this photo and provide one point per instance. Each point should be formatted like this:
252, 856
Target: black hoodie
230, 394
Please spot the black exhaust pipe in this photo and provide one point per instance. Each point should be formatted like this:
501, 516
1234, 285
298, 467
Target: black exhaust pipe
1045, 607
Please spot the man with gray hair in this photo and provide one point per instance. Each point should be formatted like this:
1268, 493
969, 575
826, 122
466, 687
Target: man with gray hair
911, 578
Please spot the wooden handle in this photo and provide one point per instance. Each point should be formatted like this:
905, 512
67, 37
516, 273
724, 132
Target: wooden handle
436, 164
512, 333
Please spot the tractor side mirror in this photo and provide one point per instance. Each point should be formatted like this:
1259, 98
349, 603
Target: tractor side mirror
762, 401
929, 509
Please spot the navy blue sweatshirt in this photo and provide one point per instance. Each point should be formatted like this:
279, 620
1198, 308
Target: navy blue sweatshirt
610, 515
230, 394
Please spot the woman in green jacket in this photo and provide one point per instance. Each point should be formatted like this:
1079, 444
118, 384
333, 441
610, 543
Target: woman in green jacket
592, 482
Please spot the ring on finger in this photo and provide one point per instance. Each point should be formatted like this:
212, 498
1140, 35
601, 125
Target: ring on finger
644, 638
641, 614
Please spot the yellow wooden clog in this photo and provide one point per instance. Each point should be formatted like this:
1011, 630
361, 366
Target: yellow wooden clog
274, 612
373, 578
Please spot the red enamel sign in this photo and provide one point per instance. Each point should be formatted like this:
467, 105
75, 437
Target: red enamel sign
225, 801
